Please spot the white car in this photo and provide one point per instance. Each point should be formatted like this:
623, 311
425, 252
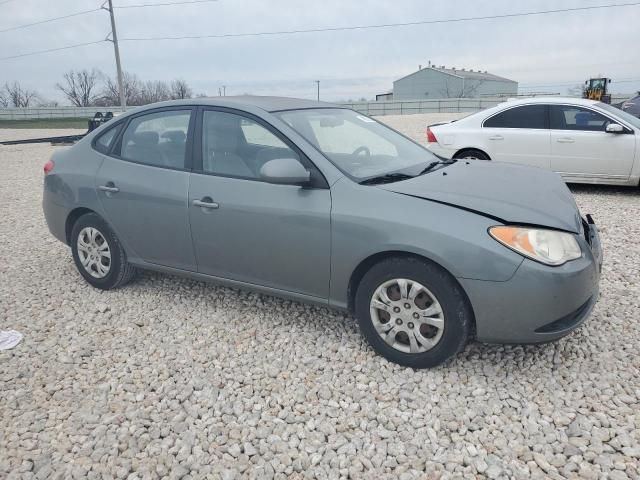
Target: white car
583, 140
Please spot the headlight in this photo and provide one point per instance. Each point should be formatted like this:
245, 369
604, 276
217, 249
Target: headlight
550, 247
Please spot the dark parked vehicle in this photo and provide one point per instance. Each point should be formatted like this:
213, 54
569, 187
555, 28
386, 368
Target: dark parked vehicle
632, 105
321, 204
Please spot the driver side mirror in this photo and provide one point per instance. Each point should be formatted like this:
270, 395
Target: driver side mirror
285, 171
614, 128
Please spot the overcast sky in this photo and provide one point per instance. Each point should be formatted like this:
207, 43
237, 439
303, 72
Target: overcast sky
536, 51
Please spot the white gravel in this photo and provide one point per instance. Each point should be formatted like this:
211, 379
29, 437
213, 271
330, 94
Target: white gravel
175, 378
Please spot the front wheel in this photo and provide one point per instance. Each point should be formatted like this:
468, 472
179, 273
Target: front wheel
413, 312
98, 255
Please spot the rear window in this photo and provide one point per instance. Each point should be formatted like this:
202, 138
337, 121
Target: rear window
526, 116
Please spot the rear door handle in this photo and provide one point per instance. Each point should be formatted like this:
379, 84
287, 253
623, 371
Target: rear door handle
496, 137
205, 203
565, 140
109, 188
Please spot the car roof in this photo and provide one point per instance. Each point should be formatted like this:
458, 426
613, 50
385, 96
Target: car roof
266, 103
554, 99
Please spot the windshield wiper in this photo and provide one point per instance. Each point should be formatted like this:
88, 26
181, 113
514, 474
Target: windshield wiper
387, 178
432, 165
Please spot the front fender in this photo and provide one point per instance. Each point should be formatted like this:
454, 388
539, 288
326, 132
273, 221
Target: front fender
367, 221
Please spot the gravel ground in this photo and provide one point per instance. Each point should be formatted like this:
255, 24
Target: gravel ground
175, 378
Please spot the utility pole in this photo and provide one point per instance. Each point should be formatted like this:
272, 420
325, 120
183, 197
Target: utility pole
114, 39
224, 90
318, 88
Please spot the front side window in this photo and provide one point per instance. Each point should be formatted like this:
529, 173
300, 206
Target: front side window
356, 144
526, 116
237, 146
570, 117
157, 139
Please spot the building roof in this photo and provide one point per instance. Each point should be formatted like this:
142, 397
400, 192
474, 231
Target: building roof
475, 75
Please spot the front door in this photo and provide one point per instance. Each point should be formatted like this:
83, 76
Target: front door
581, 146
244, 229
143, 187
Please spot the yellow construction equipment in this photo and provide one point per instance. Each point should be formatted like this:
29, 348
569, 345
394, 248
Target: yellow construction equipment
596, 89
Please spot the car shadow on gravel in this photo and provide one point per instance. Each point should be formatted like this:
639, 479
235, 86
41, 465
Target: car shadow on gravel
604, 189
285, 316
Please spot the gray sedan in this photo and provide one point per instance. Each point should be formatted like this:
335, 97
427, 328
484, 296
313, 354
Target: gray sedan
321, 204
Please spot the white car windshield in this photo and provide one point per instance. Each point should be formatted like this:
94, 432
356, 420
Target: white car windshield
358, 145
627, 117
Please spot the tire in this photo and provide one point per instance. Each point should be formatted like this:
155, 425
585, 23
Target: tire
471, 154
111, 272
434, 345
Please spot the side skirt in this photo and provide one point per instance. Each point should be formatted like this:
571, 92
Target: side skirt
226, 282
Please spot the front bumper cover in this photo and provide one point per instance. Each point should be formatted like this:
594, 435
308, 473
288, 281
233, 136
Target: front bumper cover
539, 303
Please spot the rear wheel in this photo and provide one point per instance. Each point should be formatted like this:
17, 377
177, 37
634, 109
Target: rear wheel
471, 154
413, 312
98, 255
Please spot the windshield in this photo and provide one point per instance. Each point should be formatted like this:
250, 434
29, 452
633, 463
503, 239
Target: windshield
627, 117
358, 145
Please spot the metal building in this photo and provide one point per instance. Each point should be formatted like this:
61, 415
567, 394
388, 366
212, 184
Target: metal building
441, 82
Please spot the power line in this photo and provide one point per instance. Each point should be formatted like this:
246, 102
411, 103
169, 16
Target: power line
326, 29
51, 50
385, 25
142, 5
84, 12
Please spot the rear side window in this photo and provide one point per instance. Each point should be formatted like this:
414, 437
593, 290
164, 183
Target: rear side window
569, 117
527, 116
104, 141
157, 139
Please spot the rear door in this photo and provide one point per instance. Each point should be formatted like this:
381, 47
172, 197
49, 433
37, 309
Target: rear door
143, 186
519, 134
581, 146
244, 229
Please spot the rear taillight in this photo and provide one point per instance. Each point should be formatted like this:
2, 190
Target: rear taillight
49, 166
431, 138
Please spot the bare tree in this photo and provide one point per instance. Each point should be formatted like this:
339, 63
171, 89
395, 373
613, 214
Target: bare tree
48, 103
180, 89
110, 95
80, 87
467, 90
153, 91
4, 101
17, 96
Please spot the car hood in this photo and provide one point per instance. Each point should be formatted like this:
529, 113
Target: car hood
509, 193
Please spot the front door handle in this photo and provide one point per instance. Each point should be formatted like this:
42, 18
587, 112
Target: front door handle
109, 188
566, 140
206, 202
496, 137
